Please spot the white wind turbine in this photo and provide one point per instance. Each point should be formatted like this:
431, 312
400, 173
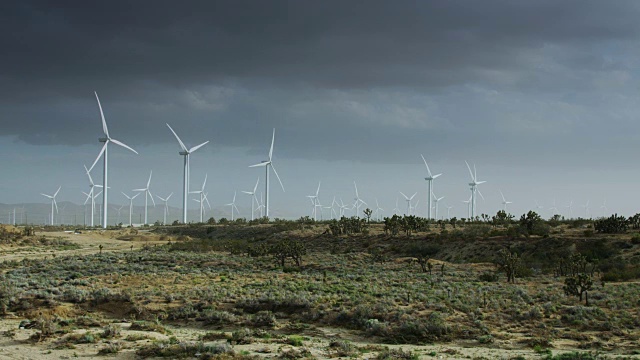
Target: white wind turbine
147, 195
254, 199
166, 207
468, 202
203, 197
604, 208
436, 200
378, 210
315, 201
586, 210
408, 199
105, 150
429, 179
233, 205
131, 206
396, 211
53, 202
474, 188
358, 202
504, 202
538, 206
570, 206
553, 209
91, 193
342, 207
333, 211
186, 171
267, 164
119, 210
449, 211
414, 208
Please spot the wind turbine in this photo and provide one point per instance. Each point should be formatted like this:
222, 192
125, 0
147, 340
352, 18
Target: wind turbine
604, 208
130, 206
359, 202
91, 193
105, 174
342, 208
253, 197
570, 206
378, 209
147, 195
586, 210
395, 209
504, 202
554, 209
468, 202
53, 201
316, 203
408, 199
267, 164
233, 205
538, 206
166, 207
186, 171
429, 179
203, 197
449, 211
436, 200
118, 210
474, 188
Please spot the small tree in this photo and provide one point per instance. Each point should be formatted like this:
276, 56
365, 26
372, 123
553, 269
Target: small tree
285, 249
368, 212
508, 262
578, 285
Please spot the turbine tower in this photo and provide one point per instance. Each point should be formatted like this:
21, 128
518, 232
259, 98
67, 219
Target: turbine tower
130, 205
570, 206
468, 202
105, 174
186, 171
53, 202
147, 195
166, 207
267, 164
254, 199
395, 209
378, 210
408, 199
429, 179
449, 211
504, 202
474, 188
316, 203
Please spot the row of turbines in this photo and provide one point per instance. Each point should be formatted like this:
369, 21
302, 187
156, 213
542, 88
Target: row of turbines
257, 205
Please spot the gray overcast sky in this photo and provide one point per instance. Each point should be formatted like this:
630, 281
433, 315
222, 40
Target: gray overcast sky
541, 95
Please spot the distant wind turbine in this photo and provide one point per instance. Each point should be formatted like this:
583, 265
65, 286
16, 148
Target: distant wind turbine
408, 199
436, 200
203, 197
53, 202
429, 179
358, 202
269, 164
130, 206
147, 195
233, 205
166, 207
186, 171
504, 202
474, 188
254, 199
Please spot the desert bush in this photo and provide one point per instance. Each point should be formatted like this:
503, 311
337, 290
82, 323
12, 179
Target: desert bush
111, 348
285, 249
612, 225
182, 350
111, 331
508, 263
343, 348
396, 354
149, 326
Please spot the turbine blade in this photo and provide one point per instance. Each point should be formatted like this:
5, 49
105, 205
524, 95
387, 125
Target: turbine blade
57, 191
405, 196
168, 197
56, 204
503, 199
205, 181
149, 181
480, 193
198, 146
151, 196
425, 164
134, 196
275, 172
470, 172
273, 139
184, 148
127, 196
256, 187
436, 176
104, 122
412, 196
49, 196
104, 147
123, 145
261, 164
139, 190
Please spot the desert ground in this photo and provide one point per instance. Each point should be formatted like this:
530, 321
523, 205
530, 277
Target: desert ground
220, 291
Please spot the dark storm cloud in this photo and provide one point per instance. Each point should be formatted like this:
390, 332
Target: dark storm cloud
354, 74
